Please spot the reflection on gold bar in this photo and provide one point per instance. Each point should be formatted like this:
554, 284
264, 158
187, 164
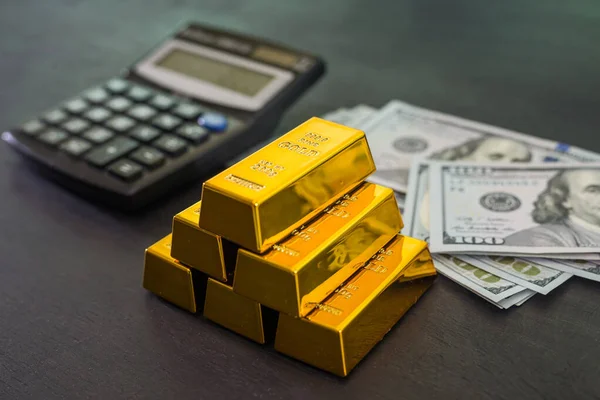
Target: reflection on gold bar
239, 314
343, 328
170, 280
258, 201
310, 264
200, 249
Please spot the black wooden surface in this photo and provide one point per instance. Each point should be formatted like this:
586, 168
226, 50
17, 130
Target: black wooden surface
74, 320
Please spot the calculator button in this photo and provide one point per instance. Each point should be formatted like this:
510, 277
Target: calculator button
213, 122
32, 127
98, 134
138, 93
162, 102
53, 137
167, 122
76, 146
193, 132
120, 123
98, 114
144, 133
75, 125
126, 170
142, 112
118, 104
110, 151
171, 144
148, 157
76, 106
117, 85
187, 110
97, 95
55, 116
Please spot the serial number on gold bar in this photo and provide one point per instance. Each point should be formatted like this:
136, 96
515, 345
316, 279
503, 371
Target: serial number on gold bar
262, 198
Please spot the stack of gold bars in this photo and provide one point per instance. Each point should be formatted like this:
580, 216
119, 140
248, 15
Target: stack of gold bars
292, 245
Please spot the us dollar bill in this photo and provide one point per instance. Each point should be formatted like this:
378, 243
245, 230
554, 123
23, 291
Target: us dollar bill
496, 290
530, 275
400, 132
580, 268
536, 209
352, 117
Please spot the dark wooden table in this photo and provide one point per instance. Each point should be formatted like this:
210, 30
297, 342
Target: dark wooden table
74, 320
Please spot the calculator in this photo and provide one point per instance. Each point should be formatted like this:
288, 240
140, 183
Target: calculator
198, 99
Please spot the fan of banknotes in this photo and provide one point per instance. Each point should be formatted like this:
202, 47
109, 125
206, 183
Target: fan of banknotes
507, 215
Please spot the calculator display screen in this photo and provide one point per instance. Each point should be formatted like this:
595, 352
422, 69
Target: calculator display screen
222, 74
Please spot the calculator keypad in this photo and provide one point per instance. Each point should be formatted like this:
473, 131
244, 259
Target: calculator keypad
76, 146
120, 123
75, 126
117, 85
55, 116
53, 137
124, 128
126, 170
193, 132
97, 95
33, 127
111, 151
141, 112
166, 122
162, 102
98, 114
144, 133
149, 157
76, 106
139, 94
170, 144
119, 104
187, 111
98, 135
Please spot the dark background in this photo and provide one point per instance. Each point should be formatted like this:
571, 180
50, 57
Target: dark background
74, 320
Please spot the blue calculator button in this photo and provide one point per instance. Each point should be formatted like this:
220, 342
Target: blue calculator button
213, 122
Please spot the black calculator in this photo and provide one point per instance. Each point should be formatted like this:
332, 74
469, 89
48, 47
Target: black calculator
200, 98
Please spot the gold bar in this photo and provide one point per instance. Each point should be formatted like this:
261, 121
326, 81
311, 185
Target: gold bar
239, 314
308, 265
170, 280
261, 199
343, 328
200, 249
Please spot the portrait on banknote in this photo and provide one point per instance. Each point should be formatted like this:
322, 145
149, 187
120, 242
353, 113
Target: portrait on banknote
567, 211
487, 148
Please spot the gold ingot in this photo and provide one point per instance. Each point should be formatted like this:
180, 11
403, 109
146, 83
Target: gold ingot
343, 328
200, 249
239, 314
170, 280
312, 262
261, 199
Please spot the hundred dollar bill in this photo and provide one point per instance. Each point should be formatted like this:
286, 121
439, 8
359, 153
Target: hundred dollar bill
535, 209
339, 116
581, 268
416, 224
400, 132
530, 275
352, 117
489, 286
361, 114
